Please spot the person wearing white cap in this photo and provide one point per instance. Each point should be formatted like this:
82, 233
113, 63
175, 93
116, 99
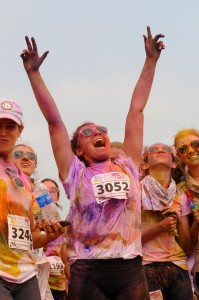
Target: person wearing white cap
17, 233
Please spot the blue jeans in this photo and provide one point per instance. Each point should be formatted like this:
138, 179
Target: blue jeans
111, 279
29, 290
173, 281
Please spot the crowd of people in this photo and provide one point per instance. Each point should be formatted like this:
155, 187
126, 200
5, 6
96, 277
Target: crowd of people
134, 212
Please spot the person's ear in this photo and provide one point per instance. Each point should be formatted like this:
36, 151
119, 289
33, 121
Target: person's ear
145, 166
79, 151
20, 131
173, 165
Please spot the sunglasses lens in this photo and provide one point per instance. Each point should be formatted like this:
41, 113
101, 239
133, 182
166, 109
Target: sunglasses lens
167, 149
11, 171
18, 154
102, 129
13, 174
54, 189
195, 144
30, 155
18, 182
183, 148
153, 149
87, 132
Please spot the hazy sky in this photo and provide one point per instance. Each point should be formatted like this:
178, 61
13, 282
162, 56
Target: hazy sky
96, 55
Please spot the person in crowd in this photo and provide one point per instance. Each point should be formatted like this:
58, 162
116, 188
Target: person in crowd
186, 142
17, 231
56, 253
114, 149
25, 159
165, 227
54, 191
104, 239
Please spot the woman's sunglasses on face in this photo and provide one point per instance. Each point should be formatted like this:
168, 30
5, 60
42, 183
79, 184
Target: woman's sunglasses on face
194, 145
19, 154
54, 189
91, 130
155, 149
15, 177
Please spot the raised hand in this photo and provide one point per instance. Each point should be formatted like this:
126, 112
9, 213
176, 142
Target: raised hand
30, 56
153, 46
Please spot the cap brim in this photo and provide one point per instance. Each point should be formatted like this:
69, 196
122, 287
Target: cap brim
11, 117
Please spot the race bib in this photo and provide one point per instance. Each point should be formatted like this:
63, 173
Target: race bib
156, 295
110, 185
56, 265
19, 234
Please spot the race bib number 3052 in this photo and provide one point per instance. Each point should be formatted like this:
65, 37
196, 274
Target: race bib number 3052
110, 185
19, 234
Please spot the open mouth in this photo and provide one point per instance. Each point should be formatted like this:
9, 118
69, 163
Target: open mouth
195, 156
99, 143
161, 155
25, 165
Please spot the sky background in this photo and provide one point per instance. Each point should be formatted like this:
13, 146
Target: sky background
96, 55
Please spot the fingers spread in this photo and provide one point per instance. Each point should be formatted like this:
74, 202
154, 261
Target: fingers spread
149, 32
158, 36
145, 38
44, 56
29, 46
34, 44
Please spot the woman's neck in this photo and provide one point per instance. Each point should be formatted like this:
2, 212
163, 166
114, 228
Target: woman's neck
194, 172
162, 176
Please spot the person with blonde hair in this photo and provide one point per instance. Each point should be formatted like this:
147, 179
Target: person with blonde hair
186, 142
165, 227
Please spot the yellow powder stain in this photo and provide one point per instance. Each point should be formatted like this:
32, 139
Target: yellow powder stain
9, 259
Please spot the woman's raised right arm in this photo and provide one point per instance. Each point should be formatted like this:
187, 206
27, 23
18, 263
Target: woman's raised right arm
58, 133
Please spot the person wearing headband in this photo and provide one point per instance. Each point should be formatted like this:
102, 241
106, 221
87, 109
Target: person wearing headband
104, 239
165, 226
17, 231
186, 142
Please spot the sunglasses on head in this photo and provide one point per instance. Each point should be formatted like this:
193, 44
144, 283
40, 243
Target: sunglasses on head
155, 149
91, 130
15, 177
193, 144
19, 154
